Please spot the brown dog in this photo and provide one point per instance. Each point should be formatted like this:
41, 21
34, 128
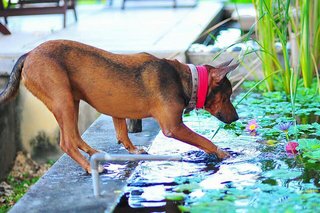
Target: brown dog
61, 73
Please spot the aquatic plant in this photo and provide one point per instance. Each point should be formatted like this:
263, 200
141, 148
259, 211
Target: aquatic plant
296, 21
279, 187
307, 32
273, 22
252, 127
310, 149
256, 198
266, 36
273, 114
291, 147
284, 126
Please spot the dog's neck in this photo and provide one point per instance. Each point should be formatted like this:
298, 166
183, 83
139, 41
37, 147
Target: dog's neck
186, 80
199, 76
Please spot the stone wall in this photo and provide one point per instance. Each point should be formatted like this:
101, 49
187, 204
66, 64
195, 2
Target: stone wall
9, 133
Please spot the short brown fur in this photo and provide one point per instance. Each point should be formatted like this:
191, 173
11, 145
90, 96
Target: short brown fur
61, 73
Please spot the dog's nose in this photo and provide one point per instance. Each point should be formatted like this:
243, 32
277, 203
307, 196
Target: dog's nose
233, 119
236, 117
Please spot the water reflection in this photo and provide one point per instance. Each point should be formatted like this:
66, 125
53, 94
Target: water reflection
120, 171
253, 164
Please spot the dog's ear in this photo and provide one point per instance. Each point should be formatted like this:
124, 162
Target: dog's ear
224, 64
219, 72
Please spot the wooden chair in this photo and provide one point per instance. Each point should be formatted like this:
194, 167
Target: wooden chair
37, 7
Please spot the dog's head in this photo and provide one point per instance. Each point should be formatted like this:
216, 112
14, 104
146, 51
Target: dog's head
218, 98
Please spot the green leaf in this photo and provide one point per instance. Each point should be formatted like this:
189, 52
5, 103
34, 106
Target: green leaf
308, 144
283, 174
184, 208
175, 196
186, 187
310, 149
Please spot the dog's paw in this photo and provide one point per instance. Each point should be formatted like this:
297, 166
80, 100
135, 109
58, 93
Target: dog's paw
222, 154
100, 169
138, 151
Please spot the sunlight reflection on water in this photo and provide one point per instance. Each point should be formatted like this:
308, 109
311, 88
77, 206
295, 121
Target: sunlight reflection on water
251, 163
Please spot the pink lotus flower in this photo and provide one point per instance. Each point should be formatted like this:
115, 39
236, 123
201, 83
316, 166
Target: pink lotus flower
291, 147
252, 127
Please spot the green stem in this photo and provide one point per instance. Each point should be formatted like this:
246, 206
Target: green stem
306, 63
287, 136
245, 95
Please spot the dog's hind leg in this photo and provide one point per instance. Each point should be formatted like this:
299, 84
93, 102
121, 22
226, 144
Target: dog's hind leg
81, 143
70, 140
120, 126
61, 103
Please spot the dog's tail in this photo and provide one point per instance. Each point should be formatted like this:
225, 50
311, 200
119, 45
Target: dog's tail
14, 81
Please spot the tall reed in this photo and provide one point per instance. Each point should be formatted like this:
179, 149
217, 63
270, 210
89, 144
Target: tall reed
274, 27
305, 49
266, 37
310, 36
297, 21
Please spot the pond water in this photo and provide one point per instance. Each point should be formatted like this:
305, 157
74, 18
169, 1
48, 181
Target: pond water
257, 178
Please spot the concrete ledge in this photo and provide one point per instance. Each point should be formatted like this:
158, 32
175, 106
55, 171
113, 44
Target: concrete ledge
67, 188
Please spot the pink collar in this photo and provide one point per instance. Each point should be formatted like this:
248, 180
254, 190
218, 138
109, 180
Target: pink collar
203, 86
199, 86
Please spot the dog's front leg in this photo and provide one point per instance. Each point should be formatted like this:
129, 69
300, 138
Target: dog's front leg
120, 126
173, 127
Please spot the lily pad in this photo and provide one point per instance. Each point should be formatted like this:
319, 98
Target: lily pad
309, 144
283, 174
175, 196
186, 187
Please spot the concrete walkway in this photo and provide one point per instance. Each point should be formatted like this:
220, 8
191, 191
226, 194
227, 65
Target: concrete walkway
163, 31
66, 187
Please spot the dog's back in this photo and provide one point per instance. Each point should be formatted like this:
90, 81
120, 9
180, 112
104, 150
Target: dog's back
109, 82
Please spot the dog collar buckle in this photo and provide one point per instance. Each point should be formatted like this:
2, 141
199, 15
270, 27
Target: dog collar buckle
193, 99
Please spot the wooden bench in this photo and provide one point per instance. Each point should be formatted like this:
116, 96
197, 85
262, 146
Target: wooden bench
36, 7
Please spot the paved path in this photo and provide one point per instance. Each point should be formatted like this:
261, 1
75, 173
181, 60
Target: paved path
164, 32
67, 188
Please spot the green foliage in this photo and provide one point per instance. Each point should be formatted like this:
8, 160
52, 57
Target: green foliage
174, 196
186, 188
286, 183
310, 149
241, 1
272, 108
296, 21
90, 2
5, 3
19, 187
309, 26
257, 198
266, 35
